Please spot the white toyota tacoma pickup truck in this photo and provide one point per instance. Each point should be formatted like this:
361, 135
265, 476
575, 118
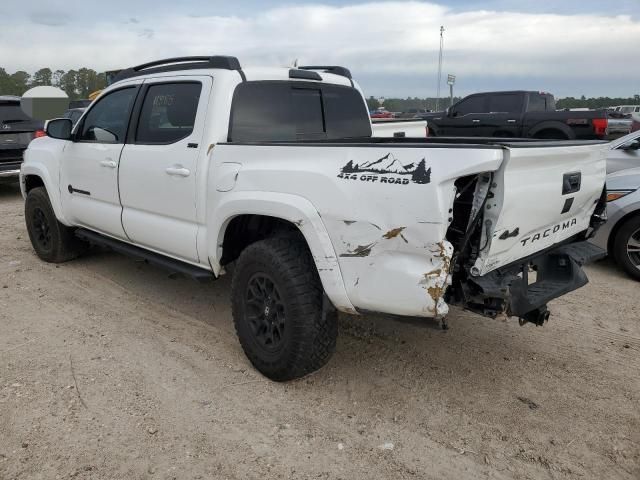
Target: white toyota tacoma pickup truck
196, 164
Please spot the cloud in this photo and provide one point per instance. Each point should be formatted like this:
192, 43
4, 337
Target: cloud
397, 41
49, 18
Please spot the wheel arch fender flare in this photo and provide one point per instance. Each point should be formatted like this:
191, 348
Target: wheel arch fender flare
552, 125
53, 192
294, 209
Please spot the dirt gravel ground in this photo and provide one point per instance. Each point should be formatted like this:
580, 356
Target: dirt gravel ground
109, 369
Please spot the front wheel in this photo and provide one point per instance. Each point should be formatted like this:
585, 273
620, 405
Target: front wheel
52, 241
277, 304
626, 247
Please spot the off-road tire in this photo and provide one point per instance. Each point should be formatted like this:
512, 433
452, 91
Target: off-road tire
619, 246
309, 335
52, 241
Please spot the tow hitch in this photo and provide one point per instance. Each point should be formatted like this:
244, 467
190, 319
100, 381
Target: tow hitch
523, 289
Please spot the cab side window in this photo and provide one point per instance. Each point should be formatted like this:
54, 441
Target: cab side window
470, 105
107, 120
168, 113
506, 103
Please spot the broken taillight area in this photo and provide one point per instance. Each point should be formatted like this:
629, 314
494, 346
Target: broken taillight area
465, 231
521, 289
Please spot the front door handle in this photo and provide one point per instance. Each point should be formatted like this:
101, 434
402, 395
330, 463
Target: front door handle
178, 171
511, 121
108, 163
475, 121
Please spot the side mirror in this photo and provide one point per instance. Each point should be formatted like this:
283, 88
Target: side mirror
632, 145
59, 128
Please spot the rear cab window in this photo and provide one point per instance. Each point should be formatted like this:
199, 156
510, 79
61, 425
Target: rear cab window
282, 111
540, 102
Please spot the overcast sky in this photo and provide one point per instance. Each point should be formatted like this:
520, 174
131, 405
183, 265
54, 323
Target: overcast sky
567, 47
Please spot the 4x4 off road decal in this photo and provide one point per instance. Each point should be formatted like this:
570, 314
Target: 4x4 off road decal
387, 169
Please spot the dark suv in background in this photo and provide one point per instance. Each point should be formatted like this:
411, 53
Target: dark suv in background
16, 131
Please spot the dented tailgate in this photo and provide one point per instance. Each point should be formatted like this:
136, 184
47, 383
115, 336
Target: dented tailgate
541, 196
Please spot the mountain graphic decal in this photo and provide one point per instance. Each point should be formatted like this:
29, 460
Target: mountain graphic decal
389, 164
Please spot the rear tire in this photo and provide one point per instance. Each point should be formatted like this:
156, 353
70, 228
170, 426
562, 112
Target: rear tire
277, 305
626, 247
52, 241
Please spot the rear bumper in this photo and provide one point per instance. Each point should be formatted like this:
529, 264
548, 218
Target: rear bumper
510, 289
9, 171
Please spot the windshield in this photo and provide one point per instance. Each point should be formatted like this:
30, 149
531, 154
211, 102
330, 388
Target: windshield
618, 142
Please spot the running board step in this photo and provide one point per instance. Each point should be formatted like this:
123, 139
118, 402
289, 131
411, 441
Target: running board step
170, 264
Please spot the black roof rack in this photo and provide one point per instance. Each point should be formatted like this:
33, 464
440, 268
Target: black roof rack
335, 69
180, 63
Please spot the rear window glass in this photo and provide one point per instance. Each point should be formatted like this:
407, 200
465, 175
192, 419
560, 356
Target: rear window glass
307, 106
11, 112
290, 111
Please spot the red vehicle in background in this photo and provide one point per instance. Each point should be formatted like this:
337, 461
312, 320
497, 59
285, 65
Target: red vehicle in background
381, 113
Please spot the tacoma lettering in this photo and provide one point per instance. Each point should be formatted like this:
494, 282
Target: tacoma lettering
546, 233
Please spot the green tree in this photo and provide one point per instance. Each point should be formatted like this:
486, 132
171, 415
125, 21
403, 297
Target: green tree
41, 77
19, 83
56, 77
68, 84
5, 82
372, 103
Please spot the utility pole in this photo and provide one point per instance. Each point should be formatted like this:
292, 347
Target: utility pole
440, 68
451, 80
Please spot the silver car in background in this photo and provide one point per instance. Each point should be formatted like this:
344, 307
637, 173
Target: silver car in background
620, 235
624, 153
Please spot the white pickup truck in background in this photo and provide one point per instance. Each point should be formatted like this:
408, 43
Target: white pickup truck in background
399, 128
195, 164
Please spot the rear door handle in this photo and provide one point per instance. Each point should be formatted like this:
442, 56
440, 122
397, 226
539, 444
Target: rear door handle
178, 171
108, 163
475, 121
511, 121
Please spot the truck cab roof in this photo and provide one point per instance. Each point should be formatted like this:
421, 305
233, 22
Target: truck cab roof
503, 92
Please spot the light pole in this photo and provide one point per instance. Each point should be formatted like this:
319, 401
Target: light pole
451, 80
440, 68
